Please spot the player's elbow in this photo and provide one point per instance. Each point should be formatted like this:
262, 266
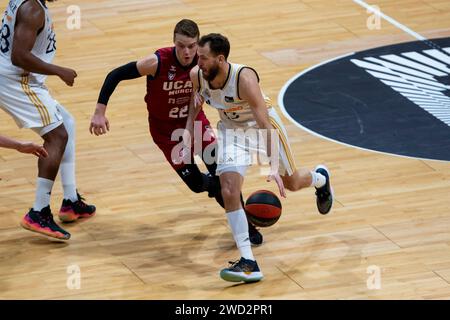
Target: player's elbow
111, 76
17, 58
229, 194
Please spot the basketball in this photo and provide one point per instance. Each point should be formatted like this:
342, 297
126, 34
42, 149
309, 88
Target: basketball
263, 208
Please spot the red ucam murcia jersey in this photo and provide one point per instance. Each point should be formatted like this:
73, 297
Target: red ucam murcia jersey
169, 92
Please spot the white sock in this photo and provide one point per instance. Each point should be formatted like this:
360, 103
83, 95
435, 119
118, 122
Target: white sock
239, 226
67, 171
318, 180
43, 191
67, 166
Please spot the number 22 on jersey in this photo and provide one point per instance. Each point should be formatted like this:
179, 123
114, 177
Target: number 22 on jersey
177, 112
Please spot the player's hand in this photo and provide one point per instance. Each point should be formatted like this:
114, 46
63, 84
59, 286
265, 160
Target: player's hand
30, 147
187, 142
279, 182
99, 123
198, 100
67, 75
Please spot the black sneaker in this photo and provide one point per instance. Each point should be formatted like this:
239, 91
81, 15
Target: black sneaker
324, 194
42, 222
71, 211
255, 236
242, 270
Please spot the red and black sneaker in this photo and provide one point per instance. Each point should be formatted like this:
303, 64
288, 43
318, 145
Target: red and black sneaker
71, 211
42, 222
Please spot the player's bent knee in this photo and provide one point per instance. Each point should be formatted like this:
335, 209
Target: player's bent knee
229, 193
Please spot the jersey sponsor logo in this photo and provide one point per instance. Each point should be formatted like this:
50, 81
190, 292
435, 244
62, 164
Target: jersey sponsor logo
177, 85
172, 73
229, 99
393, 99
183, 100
232, 115
234, 109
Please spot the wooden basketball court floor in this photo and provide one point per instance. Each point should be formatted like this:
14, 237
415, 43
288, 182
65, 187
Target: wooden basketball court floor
154, 239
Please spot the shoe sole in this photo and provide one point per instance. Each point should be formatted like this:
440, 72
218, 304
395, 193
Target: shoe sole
234, 277
33, 228
321, 166
71, 216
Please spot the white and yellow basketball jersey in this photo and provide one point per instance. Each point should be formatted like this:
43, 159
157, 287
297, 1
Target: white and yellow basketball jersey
234, 112
44, 47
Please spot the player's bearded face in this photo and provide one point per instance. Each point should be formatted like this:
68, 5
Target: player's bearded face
209, 63
210, 73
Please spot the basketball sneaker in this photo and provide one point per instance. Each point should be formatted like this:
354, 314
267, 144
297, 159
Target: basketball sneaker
242, 270
42, 222
73, 210
255, 236
324, 195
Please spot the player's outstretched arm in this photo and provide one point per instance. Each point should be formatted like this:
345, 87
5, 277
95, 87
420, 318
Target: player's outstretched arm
30, 19
195, 105
144, 67
24, 147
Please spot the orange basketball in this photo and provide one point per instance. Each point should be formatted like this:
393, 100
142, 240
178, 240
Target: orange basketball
263, 208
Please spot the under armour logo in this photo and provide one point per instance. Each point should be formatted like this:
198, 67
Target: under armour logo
185, 172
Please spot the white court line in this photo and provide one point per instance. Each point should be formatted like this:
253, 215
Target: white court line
298, 75
390, 20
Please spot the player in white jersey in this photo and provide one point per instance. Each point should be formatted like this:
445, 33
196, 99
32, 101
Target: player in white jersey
234, 90
27, 48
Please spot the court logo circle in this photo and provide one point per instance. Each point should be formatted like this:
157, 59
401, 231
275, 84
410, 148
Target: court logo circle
393, 99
